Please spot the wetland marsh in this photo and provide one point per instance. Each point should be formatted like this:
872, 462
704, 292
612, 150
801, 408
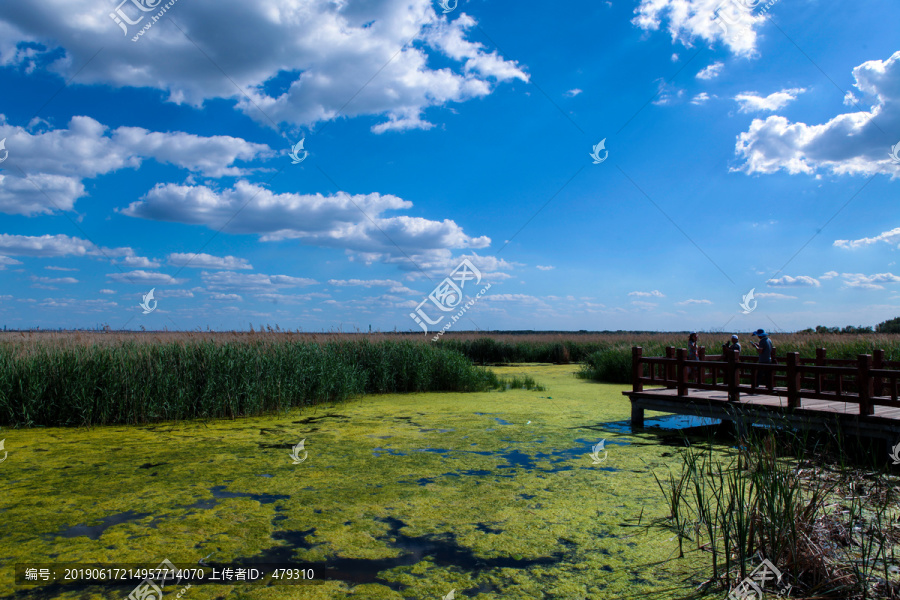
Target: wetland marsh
493, 494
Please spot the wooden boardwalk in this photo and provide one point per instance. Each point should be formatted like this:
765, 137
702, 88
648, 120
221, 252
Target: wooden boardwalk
818, 394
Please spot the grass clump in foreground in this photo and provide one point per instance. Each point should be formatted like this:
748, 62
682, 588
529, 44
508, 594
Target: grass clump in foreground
128, 383
833, 532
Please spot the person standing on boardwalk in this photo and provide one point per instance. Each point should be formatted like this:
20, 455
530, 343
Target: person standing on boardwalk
734, 345
692, 352
764, 349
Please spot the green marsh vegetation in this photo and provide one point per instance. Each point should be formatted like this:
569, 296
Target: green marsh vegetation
496, 491
829, 524
135, 382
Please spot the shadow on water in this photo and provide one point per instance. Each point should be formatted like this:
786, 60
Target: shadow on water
95, 531
219, 493
440, 550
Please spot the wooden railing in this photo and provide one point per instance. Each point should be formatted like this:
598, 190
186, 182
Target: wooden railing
868, 381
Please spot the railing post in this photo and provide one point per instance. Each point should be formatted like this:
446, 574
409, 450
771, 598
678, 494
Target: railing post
637, 369
731, 375
878, 363
793, 379
681, 370
820, 362
864, 383
701, 356
670, 369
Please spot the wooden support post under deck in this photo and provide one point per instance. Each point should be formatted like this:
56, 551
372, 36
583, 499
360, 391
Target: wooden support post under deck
864, 383
793, 379
637, 369
637, 416
681, 371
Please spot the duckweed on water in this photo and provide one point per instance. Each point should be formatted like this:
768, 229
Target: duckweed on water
400, 496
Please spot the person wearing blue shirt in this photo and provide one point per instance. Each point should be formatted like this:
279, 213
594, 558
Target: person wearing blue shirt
764, 349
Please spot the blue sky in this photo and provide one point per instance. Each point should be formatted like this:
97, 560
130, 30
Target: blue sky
747, 146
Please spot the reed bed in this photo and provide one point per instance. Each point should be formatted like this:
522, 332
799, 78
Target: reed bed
60, 384
830, 526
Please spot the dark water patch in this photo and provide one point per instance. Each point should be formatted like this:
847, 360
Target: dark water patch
434, 450
502, 421
482, 588
281, 446
606, 568
380, 437
441, 550
486, 529
151, 465
309, 420
667, 422
473, 473
391, 451
265, 475
201, 504
220, 493
527, 496
270, 431
95, 531
517, 458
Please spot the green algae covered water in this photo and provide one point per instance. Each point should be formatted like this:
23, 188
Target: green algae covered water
488, 495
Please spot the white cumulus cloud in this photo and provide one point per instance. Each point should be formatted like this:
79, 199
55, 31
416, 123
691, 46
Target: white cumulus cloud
753, 102
851, 143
